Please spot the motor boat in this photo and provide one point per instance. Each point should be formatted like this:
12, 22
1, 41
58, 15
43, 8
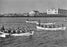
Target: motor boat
39, 23
3, 34
17, 32
23, 34
42, 28
36, 22
47, 27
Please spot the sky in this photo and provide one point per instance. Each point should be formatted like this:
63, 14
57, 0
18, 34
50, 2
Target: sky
22, 6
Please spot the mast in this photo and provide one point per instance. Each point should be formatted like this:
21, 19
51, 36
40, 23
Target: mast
39, 22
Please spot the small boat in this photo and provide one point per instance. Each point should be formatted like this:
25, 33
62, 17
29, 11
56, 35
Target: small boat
39, 23
36, 22
47, 27
32, 22
23, 34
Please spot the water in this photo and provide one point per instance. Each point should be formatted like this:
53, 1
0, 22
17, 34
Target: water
39, 39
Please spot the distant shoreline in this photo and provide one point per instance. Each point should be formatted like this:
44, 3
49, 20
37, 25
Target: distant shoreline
44, 15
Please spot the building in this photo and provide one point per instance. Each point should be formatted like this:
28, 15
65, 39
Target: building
25, 14
52, 11
62, 11
33, 13
57, 11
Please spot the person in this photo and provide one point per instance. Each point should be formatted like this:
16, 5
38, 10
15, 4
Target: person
62, 25
23, 31
9, 30
6, 31
14, 31
54, 26
50, 26
2, 28
18, 30
45, 26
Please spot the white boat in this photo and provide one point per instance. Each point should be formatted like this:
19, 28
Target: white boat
3, 34
39, 23
23, 34
43, 28
32, 22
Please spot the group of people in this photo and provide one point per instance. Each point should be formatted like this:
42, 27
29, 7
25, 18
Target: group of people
18, 30
52, 26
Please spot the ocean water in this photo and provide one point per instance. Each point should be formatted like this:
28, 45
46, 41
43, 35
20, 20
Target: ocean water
40, 38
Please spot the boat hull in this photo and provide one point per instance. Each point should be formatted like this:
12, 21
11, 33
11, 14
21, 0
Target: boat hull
23, 34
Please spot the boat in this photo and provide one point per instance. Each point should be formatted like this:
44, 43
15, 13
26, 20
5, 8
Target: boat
47, 27
36, 22
39, 23
23, 34
4, 35
42, 28
32, 22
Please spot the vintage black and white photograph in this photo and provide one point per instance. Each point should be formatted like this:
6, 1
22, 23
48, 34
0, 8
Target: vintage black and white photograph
33, 23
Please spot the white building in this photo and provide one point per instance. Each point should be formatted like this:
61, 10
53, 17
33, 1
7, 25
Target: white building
52, 11
31, 13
